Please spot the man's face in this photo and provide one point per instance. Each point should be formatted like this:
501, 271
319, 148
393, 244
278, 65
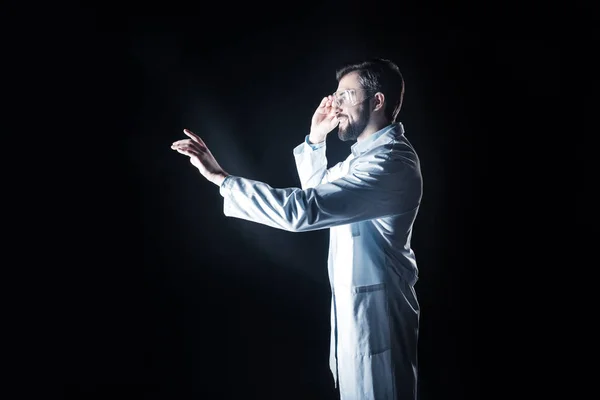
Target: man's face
353, 118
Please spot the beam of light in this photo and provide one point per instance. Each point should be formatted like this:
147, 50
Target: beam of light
216, 126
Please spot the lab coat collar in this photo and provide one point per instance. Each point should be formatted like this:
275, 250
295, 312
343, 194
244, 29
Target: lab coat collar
359, 148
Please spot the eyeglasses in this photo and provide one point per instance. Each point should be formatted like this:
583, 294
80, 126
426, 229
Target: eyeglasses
348, 98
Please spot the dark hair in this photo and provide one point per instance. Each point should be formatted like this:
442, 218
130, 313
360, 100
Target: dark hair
379, 75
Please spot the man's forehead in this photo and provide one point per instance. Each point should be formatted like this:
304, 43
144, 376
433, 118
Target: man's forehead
349, 81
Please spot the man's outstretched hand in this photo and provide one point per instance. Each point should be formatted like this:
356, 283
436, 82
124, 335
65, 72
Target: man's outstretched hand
200, 157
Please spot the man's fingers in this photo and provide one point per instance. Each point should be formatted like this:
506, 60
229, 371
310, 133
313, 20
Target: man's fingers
181, 142
185, 151
322, 105
188, 143
189, 150
194, 137
191, 134
325, 106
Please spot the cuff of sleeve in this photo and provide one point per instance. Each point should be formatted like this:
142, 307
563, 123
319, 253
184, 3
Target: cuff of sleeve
226, 185
314, 146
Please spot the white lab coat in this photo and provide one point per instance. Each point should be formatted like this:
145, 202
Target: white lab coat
369, 202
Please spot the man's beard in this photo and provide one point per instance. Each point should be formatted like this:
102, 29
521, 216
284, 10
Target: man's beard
352, 130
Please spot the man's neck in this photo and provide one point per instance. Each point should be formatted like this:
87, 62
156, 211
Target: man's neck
372, 128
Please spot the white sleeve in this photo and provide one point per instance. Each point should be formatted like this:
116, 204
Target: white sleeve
311, 163
374, 188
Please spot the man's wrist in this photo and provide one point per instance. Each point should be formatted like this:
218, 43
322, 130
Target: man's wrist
315, 140
219, 179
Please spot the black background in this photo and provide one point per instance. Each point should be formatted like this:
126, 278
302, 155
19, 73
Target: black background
157, 295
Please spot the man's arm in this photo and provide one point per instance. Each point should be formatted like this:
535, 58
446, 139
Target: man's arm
376, 187
310, 158
311, 162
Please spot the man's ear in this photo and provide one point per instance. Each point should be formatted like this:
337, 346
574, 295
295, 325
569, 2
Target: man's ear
379, 101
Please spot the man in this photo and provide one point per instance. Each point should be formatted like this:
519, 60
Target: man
369, 202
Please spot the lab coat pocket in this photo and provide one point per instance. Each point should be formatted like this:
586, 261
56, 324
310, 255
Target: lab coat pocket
372, 319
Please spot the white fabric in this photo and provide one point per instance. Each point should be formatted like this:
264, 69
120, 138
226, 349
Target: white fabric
369, 202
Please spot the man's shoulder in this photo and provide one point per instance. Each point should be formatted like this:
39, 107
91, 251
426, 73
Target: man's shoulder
394, 148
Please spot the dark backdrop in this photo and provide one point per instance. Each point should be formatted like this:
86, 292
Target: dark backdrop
159, 296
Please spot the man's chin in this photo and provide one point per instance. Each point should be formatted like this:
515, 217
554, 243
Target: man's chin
344, 135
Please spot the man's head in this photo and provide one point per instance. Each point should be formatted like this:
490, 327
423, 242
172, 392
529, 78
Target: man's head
369, 94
